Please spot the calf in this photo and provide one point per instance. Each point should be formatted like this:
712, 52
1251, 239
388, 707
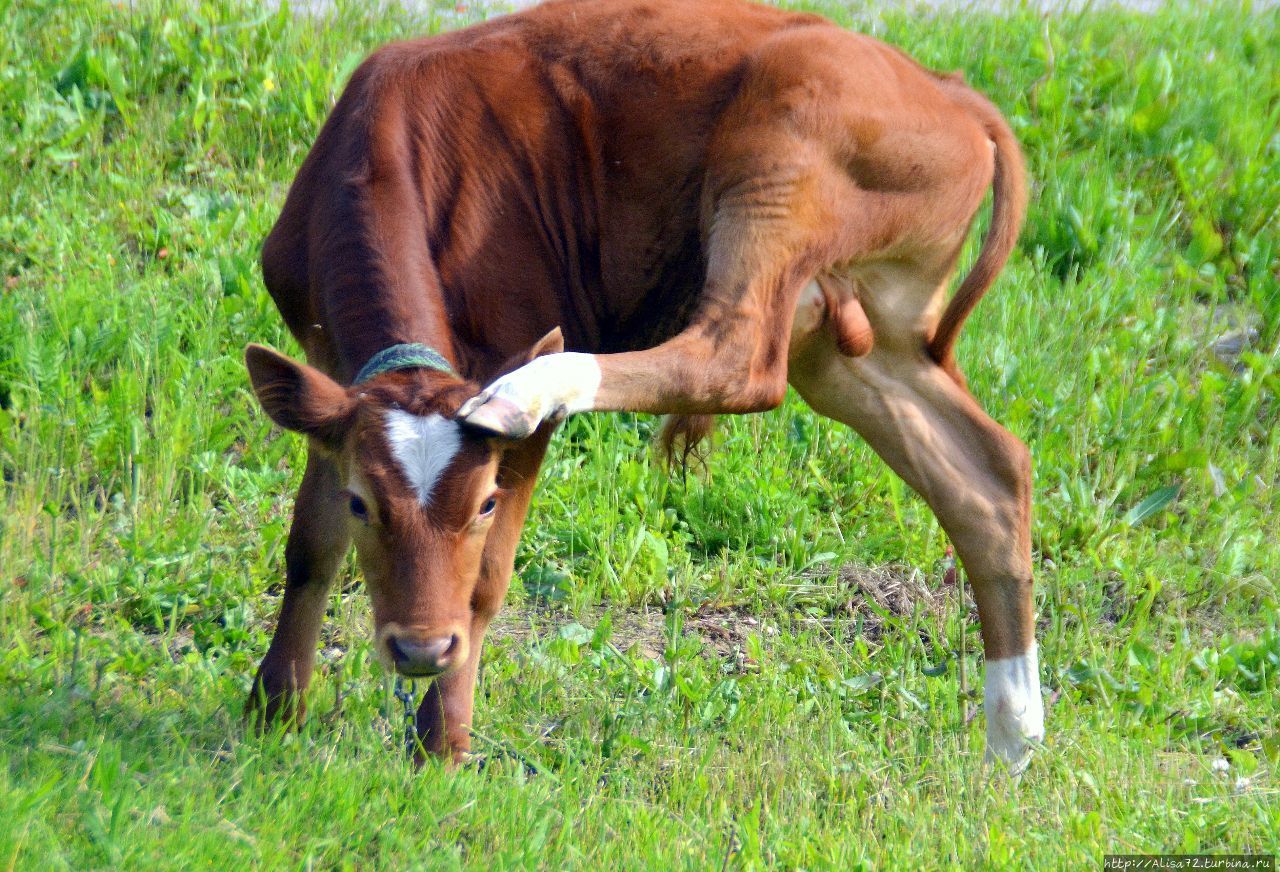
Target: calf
711, 200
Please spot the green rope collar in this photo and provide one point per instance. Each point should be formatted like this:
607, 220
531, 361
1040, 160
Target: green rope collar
404, 356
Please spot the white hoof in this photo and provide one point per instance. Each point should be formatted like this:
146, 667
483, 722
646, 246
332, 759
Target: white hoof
549, 387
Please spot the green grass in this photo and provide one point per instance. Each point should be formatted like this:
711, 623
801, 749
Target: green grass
686, 676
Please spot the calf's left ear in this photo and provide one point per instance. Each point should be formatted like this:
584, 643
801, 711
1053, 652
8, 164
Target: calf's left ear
552, 343
299, 397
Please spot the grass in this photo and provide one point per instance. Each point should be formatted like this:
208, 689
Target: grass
692, 673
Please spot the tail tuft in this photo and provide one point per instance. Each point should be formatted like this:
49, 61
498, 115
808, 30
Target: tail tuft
684, 437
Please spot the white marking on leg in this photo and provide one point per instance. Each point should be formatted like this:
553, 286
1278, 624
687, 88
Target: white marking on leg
562, 383
423, 445
1015, 710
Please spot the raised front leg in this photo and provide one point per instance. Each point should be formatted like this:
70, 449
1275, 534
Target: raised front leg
318, 540
444, 717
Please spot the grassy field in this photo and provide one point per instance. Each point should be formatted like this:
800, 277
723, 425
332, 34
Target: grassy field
764, 663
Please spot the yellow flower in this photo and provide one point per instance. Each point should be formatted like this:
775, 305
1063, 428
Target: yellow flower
268, 84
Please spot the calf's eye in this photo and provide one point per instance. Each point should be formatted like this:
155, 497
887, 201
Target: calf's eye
488, 506
358, 508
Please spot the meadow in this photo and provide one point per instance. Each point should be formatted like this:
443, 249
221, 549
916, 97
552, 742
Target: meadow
763, 662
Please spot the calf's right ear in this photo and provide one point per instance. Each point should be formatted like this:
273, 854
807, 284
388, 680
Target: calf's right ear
299, 397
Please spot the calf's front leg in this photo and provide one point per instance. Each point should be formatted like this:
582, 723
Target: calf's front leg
445, 715
318, 540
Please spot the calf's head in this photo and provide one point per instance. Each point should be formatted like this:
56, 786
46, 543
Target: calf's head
418, 490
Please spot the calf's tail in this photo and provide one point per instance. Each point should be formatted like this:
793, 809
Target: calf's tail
1009, 207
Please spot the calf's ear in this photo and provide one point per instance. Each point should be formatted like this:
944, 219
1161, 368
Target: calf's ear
552, 343
299, 397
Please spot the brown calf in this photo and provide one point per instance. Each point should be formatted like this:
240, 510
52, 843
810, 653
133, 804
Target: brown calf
711, 199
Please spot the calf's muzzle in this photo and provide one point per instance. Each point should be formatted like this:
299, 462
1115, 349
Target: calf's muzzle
416, 655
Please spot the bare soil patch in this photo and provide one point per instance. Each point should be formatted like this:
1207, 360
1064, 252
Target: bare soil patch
865, 598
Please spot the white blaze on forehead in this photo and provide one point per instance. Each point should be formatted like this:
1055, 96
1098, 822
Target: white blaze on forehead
1015, 710
423, 445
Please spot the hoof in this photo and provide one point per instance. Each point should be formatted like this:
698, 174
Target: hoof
499, 416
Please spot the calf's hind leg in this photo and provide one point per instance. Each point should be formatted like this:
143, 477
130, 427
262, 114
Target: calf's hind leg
973, 473
318, 540
769, 222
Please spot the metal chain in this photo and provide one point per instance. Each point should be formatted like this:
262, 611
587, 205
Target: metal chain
407, 697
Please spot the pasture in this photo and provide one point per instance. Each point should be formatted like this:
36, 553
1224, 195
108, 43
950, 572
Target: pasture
765, 661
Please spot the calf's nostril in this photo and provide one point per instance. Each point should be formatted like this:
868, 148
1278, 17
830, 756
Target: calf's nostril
435, 650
